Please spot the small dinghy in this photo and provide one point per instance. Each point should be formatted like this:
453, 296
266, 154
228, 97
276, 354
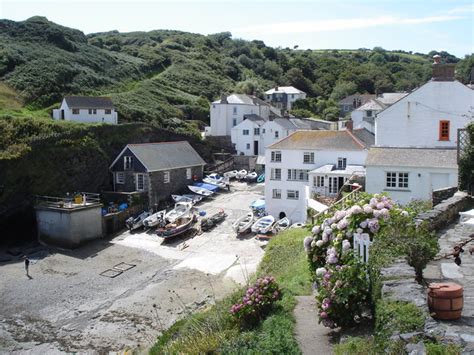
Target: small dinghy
241, 174
261, 178
214, 177
214, 220
221, 184
178, 227
251, 177
282, 224
137, 222
200, 190
263, 225
187, 198
243, 223
297, 225
180, 209
154, 219
231, 174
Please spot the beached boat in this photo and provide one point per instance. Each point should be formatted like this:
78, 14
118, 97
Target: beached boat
297, 225
282, 224
243, 223
231, 174
221, 184
154, 219
200, 190
261, 178
263, 225
187, 198
241, 174
215, 177
178, 227
251, 177
137, 222
212, 221
180, 209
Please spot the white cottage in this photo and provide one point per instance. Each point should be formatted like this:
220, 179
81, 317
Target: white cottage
86, 109
309, 162
283, 97
413, 130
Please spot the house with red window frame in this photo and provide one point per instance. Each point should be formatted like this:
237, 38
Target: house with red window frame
416, 138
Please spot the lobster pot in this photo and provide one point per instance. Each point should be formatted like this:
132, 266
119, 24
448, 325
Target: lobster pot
445, 300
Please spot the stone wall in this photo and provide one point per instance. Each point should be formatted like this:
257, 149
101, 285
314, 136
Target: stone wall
247, 162
447, 211
443, 194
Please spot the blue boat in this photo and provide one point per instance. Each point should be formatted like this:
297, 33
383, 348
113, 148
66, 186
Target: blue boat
261, 178
210, 187
258, 204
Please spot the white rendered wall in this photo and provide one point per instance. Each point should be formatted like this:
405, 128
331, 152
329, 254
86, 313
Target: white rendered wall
99, 117
222, 116
240, 140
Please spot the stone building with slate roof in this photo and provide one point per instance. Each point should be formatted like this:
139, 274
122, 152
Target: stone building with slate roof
87, 109
157, 169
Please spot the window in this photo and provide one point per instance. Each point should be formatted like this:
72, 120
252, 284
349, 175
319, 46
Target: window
369, 113
263, 130
276, 194
444, 130
234, 110
75, 111
268, 97
396, 180
292, 194
341, 163
256, 131
120, 177
318, 181
346, 108
277, 134
297, 175
166, 177
308, 158
292, 96
127, 162
188, 173
140, 182
248, 146
275, 174
108, 111
245, 132
213, 106
234, 122
276, 156
92, 111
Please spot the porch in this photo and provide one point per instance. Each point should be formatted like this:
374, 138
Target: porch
328, 180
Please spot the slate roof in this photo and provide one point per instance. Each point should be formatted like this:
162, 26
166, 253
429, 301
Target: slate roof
254, 118
321, 140
284, 89
389, 98
364, 136
348, 100
165, 155
371, 105
89, 102
412, 157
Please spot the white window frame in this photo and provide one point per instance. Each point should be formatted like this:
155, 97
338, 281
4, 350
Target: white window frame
247, 146
76, 111
292, 195
127, 162
298, 175
189, 173
277, 134
137, 180
276, 194
166, 177
397, 180
318, 181
308, 158
256, 131
245, 132
275, 174
107, 111
276, 156
341, 163
120, 177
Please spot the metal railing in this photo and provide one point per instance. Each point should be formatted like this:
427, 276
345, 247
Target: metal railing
72, 201
340, 204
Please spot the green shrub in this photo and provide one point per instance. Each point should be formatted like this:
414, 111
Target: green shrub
442, 349
356, 346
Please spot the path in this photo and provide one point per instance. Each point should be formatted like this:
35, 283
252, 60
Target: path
445, 270
313, 338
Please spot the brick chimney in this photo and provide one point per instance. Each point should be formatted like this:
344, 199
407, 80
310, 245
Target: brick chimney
442, 72
349, 125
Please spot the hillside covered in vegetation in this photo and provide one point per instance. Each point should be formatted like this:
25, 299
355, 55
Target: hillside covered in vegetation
170, 76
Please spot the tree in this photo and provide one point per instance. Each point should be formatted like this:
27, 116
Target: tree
343, 89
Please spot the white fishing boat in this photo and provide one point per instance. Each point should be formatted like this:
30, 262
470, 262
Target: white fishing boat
215, 177
241, 174
282, 224
251, 176
231, 174
187, 198
154, 219
200, 190
221, 183
137, 222
180, 209
263, 225
243, 223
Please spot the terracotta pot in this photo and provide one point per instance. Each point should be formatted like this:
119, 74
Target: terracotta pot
445, 300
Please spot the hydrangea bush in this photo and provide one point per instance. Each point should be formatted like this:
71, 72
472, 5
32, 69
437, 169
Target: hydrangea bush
257, 301
341, 276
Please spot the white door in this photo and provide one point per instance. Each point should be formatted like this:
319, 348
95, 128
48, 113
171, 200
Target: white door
333, 185
439, 180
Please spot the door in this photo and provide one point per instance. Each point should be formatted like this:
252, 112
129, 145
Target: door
255, 148
62, 114
333, 185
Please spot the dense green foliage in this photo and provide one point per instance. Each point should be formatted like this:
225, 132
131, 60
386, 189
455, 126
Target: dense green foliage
466, 163
215, 330
159, 75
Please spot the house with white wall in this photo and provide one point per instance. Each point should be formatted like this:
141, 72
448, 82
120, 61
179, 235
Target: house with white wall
309, 162
86, 109
283, 97
230, 110
416, 138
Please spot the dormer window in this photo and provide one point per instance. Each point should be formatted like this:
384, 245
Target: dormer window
127, 162
444, 130
341, 163
369, 113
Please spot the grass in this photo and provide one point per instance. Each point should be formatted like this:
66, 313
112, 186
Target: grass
214, 330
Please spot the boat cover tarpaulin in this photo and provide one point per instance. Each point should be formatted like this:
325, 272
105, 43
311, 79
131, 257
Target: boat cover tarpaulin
210, 187
258, 204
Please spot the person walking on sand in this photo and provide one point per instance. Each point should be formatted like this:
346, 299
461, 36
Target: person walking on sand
27, 266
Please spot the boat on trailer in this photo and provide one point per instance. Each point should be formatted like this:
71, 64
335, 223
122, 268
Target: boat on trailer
176, 228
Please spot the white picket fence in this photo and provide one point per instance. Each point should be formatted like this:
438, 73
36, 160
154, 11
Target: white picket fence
362, 245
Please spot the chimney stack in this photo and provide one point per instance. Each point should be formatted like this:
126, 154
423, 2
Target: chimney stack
349, 125
276, 88
224, 99
442, 72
